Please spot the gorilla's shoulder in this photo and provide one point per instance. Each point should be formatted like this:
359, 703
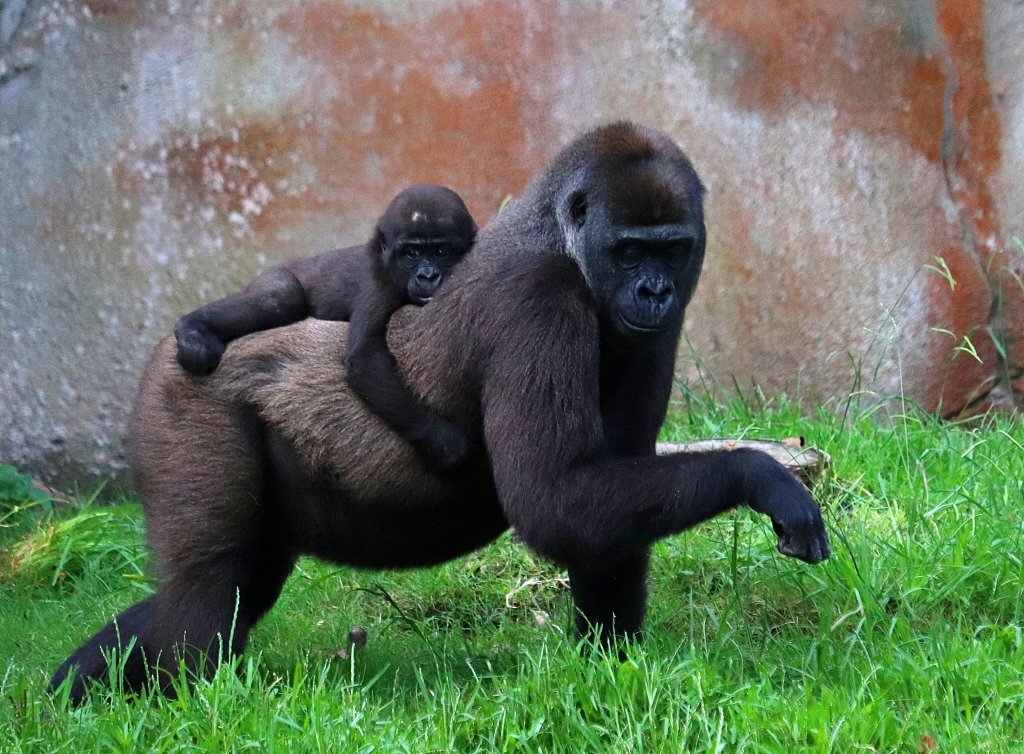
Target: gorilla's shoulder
535, 278
527, 298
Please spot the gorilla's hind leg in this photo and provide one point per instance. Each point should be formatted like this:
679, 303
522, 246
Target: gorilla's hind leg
121, 640
199, 618
204, 615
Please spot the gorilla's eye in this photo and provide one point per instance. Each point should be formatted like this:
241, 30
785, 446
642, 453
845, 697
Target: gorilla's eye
679, 253
441, 253
629, 255
410, 252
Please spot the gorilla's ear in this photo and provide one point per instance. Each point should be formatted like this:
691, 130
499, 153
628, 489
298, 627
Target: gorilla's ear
572, 214
577, 208
573, 211
378, 245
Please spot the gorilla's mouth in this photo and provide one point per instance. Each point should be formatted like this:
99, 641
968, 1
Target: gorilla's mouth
420, 293
641, 327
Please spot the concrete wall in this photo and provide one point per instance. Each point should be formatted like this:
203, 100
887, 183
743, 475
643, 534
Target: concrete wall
155, 154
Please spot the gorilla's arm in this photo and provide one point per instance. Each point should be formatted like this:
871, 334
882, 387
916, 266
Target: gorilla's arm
561, 487
634, 398
324, 286
374, 376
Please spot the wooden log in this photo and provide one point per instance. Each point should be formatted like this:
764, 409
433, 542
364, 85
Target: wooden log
804, 461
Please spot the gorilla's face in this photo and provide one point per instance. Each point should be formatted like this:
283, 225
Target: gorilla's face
423, 234
424, 263
642, 275
653, 273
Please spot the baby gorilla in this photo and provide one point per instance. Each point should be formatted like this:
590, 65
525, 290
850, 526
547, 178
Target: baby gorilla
423, 234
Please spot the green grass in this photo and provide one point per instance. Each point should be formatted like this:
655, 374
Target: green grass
909, 638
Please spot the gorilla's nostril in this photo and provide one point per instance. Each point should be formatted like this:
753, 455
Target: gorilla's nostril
658, 290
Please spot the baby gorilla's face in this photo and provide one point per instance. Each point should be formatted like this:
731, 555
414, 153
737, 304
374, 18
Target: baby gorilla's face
424, 264
425, 231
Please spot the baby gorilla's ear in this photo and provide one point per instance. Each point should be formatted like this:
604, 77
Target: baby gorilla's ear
379, 244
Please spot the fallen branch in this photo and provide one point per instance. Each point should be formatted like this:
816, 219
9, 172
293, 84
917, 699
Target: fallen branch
804, 461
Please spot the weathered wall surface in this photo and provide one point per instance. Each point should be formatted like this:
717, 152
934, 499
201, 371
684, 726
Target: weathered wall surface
863, 159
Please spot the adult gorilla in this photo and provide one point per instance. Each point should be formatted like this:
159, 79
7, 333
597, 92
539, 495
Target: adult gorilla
552, 346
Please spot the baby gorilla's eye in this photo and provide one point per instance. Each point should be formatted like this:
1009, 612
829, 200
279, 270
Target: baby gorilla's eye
441, 253
410, 253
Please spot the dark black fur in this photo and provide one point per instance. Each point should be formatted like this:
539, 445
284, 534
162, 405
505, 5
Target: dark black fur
423, 234
554, 345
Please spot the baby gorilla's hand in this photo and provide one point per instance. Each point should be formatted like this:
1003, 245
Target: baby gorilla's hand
199, 350
443, 446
